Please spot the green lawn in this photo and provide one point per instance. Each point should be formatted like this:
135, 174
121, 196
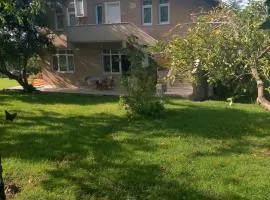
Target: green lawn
82, 147
6, 83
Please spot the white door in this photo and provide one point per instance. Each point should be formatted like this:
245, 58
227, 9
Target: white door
112, 12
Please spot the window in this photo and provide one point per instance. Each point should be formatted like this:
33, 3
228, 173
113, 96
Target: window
59, 18
99, 14
147, 12
71, 14
114, 62
164, 12
63, 61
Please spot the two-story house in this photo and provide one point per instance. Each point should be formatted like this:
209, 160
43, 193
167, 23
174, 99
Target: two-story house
89, 35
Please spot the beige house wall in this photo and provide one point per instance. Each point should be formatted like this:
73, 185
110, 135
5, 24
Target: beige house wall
88, 63
88, 56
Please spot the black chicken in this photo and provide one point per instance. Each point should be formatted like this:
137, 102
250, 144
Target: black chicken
10, 116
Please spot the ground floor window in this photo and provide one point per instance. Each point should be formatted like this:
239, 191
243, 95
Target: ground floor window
63, 61
115, 62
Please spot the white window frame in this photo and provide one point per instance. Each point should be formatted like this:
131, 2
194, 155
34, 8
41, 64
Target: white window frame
147, 6
66, 54
56, 21
112, 54
96, 10
69, 13
159, 12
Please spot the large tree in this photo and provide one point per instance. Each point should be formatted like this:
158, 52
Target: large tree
225, 45
21, 37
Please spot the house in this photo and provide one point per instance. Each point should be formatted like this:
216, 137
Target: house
89, 35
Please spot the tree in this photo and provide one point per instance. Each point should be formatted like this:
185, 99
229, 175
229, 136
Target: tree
139, 82
22, 37
227, 45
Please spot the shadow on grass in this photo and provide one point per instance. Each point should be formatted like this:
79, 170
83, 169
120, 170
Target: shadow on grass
55, 98
90, 157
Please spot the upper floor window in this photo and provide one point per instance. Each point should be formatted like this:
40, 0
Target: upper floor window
164, 12
147, 12
99, 14
71, 14
63, 61
59, 18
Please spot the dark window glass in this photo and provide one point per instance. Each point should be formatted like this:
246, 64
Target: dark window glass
163, 1
72, 19
147, 18
60, 22
147, 2
70, 63
115, 63
99, 14
164, 14
107, 63
62, 63
55, 63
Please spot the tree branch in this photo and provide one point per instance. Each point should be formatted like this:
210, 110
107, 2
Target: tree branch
264, 52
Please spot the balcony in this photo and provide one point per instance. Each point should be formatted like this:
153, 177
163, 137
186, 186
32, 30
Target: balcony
107, 33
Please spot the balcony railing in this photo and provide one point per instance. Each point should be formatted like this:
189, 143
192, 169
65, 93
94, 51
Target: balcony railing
107, 33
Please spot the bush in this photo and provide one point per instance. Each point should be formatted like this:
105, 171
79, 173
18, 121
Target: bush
139, 83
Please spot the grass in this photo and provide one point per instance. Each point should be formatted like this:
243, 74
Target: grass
6, 83
83, 147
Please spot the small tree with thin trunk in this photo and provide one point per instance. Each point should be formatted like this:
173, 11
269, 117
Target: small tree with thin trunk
226, 45
21, 37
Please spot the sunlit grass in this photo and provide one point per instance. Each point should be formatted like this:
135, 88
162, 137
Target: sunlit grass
83, 147
6, 83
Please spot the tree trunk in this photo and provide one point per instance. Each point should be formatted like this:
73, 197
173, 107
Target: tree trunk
22, 80
28, 88
2, 188
261, 100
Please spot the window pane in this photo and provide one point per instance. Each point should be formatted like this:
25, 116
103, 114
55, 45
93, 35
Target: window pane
114, 52
99, 14
163, 1
60, 22
58, 10
106, 51
147, 2
72, 19
62, 63
147, 18
55, 63
164, 14
61, 51
70, 63
115, 63
107, 63
69, 52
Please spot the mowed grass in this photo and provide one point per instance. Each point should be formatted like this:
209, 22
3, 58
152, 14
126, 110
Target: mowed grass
81, 147
6, 83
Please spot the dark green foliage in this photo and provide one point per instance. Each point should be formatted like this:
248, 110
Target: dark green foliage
139, 82
23, 36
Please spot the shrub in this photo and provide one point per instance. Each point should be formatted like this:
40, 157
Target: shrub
139, 82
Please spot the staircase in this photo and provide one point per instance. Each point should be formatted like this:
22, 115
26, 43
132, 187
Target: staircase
37, 82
